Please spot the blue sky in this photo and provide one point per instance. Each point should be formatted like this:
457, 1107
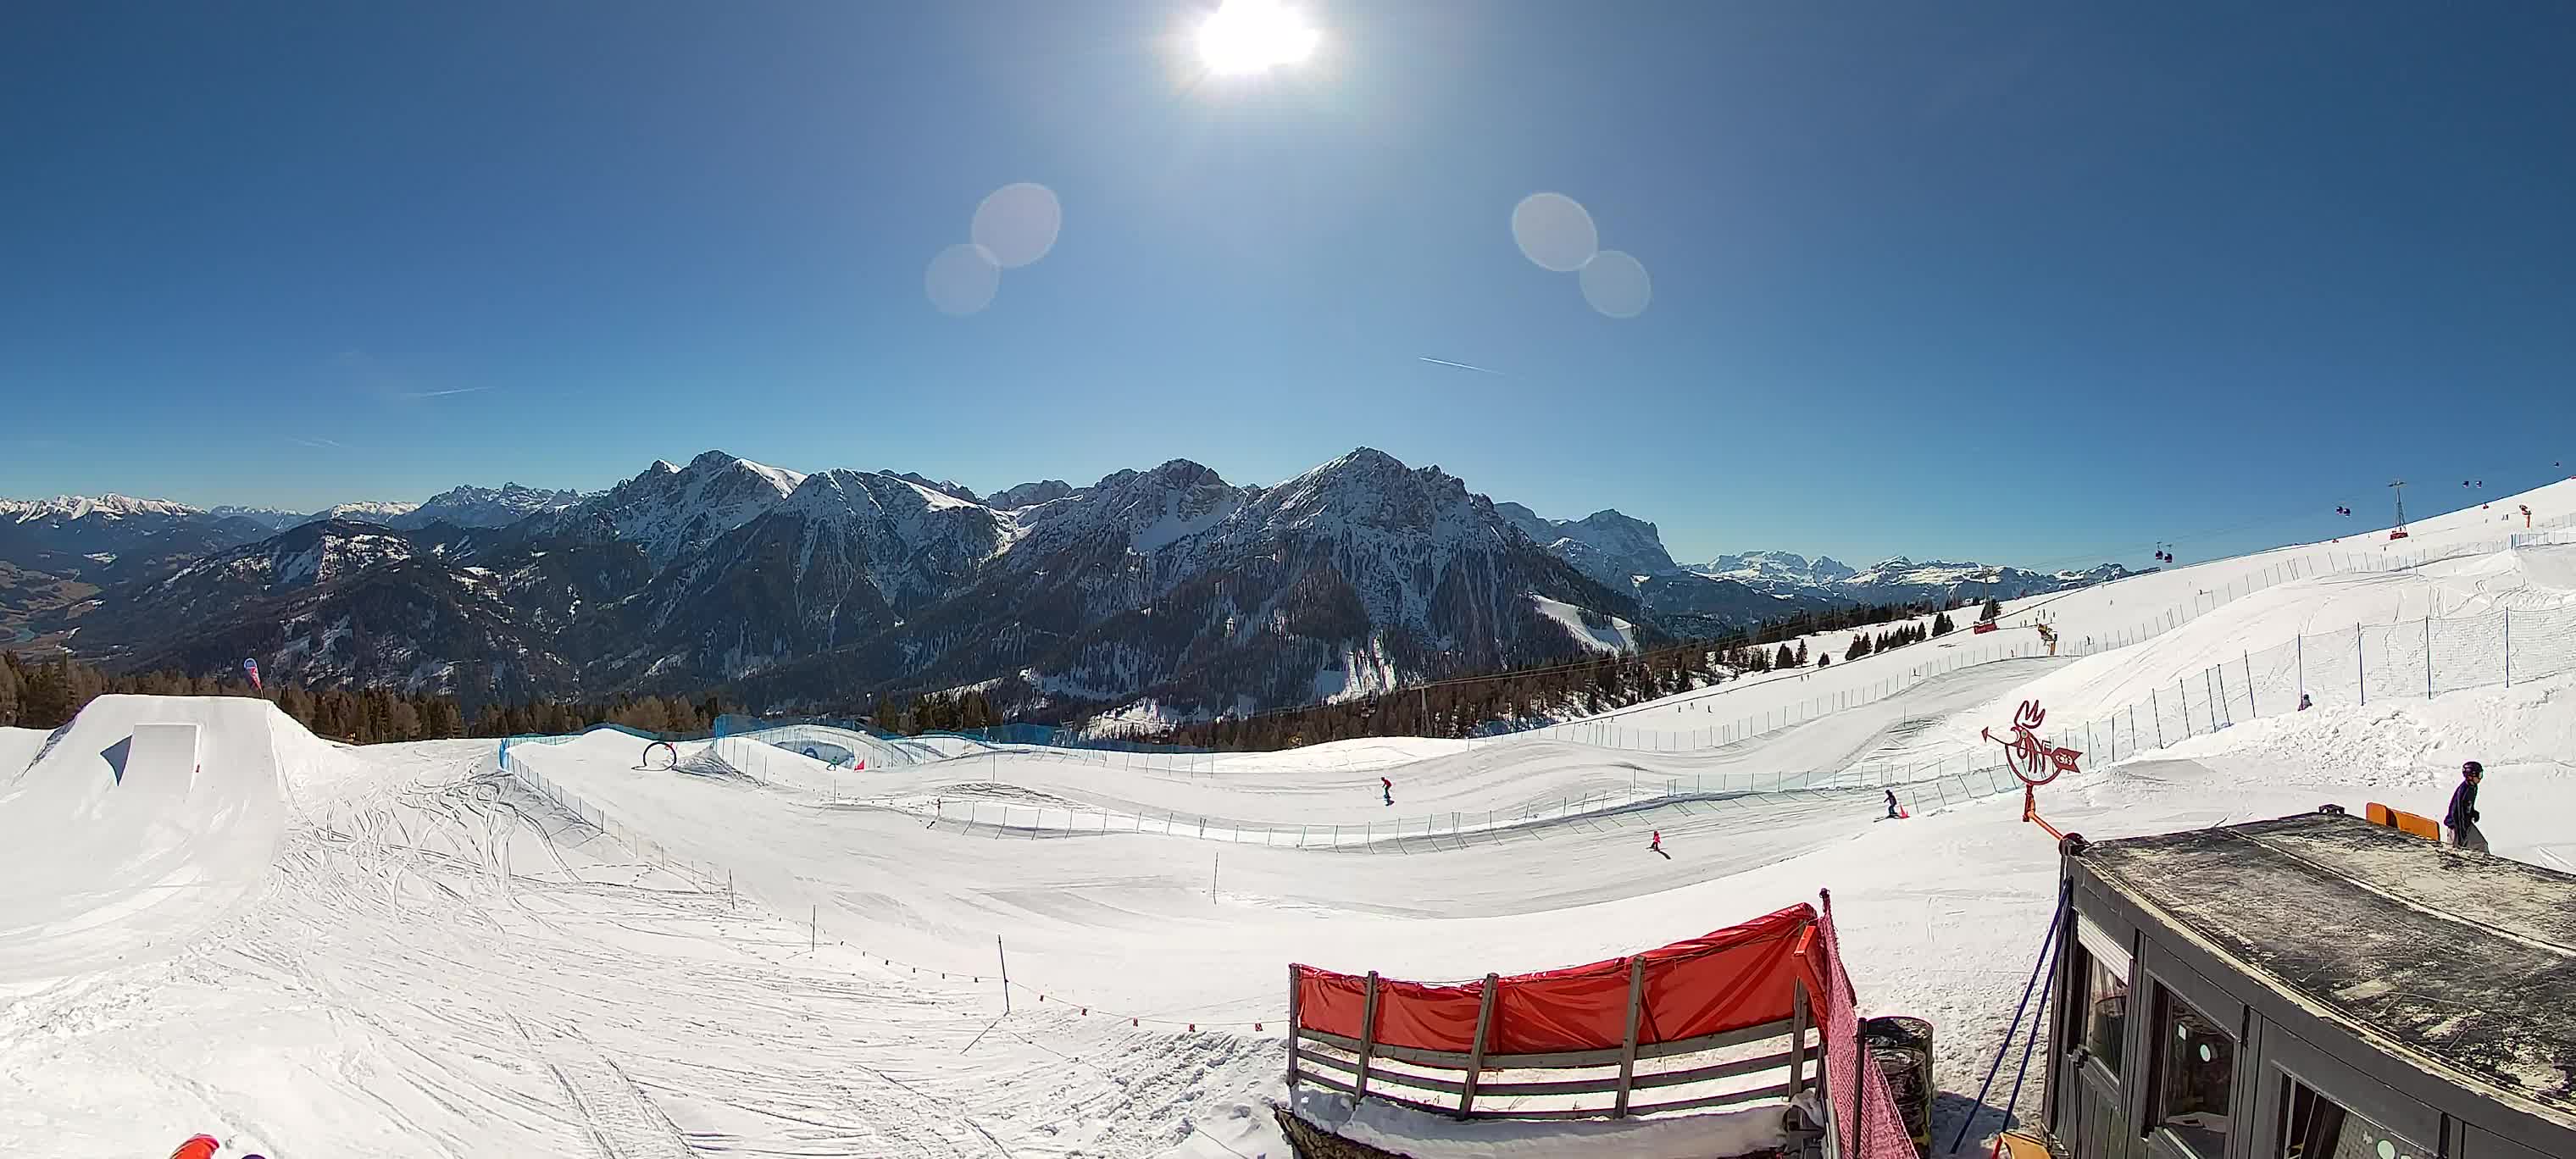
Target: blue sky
2043, 283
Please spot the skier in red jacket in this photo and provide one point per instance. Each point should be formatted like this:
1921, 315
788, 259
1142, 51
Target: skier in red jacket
1388, 787
197, 1147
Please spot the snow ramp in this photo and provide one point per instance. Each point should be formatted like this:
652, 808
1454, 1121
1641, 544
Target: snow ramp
140, 825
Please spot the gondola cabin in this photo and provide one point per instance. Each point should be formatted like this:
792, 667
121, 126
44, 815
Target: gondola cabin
2312, 987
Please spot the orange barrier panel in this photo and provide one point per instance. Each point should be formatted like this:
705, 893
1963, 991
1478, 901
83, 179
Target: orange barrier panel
2403, 821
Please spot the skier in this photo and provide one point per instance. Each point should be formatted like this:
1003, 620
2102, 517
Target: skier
1656, 844
2305, 703
1892, 814
197, 1147
2463, 817
1388, 787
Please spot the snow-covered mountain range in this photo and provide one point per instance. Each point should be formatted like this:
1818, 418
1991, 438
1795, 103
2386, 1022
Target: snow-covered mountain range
1628, 554
110, 506
1170, 587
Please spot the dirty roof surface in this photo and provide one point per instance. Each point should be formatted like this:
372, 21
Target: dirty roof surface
2467, 958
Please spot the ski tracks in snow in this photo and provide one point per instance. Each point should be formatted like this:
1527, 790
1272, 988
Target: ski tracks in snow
441, 965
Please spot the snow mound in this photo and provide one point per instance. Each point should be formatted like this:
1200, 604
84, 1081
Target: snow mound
135, 860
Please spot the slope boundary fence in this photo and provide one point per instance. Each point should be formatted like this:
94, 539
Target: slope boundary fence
1605, 730
2419, 660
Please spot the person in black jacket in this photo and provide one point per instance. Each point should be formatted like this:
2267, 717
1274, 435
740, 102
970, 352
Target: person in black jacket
2463, 817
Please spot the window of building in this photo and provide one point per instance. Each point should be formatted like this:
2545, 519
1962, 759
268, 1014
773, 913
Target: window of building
2196, 1063
2103, 1022
2316, 1127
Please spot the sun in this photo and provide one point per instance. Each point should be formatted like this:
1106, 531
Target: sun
1250, 36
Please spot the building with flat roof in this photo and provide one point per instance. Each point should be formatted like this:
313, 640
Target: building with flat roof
2312, 987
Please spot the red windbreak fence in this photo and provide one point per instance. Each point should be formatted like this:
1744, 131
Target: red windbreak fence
1779, 975
1738, 977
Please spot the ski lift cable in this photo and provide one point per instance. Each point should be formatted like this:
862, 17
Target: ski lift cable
2249, 525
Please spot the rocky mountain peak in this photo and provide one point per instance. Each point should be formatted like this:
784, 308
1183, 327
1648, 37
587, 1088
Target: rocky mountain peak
1028, 495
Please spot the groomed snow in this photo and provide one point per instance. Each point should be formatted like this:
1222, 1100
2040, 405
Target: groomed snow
403, 951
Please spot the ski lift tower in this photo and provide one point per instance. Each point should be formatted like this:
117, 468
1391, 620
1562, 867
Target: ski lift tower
2399, 486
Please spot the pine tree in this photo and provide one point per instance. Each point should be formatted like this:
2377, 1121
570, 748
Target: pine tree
46, 699
1994, 609
1802, 653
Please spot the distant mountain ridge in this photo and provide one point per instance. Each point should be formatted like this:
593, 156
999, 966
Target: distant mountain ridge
1165, 591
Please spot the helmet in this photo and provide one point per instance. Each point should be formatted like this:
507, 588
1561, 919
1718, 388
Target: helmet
2474, 769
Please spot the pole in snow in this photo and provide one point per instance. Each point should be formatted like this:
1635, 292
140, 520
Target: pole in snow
1005, 959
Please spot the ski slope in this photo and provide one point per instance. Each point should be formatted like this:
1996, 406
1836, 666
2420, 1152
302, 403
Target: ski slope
404, 950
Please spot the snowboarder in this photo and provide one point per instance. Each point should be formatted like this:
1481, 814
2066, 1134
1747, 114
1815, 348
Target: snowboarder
1388, 787
1892, 814
197, 1147
2463, 817
2305, 703
1655, 843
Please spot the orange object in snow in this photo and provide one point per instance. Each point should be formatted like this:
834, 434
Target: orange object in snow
197, 1147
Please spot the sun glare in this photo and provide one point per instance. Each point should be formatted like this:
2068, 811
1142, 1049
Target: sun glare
1249, 36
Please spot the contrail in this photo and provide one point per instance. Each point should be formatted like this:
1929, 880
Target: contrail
443, 393
1459, 365
315, 443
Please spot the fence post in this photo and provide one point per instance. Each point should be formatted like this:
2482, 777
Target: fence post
2183, 694
2156, 709
1797, 1036
1628, 1047
2508, 647
2251, 709
1476, 1054
1294, 1034
1368, 1038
